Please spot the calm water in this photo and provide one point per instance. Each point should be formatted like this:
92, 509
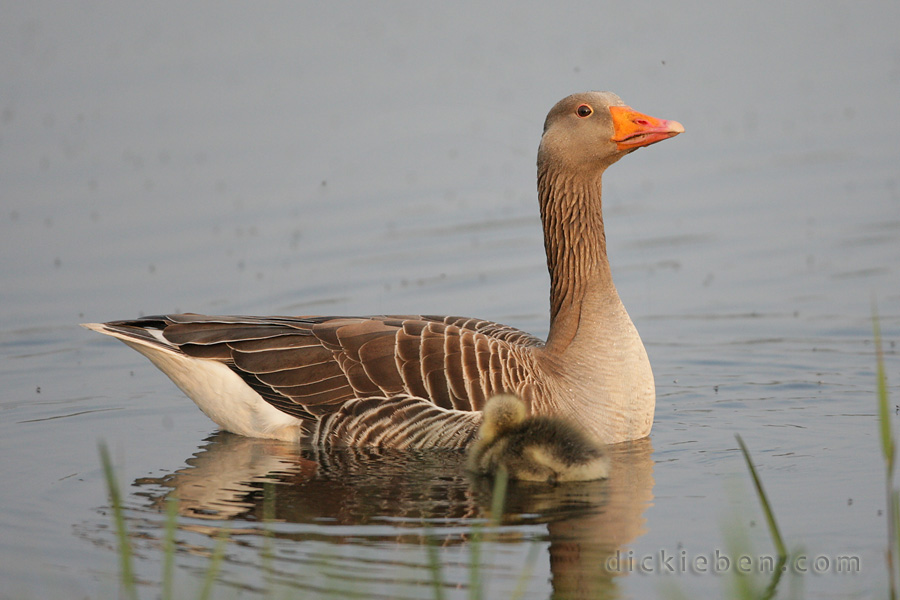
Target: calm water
359, 160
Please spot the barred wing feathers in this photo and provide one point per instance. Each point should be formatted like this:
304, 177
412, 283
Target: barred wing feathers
313, 367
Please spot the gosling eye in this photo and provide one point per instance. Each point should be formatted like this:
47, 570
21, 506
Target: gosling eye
584, 111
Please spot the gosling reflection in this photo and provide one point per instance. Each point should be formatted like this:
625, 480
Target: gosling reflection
583, 559
238, 478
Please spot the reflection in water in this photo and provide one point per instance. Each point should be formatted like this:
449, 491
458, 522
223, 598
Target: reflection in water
375, 500
583, 548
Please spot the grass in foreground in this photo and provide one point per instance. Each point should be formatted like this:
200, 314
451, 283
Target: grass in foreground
889, 452
127, 579
126, 568
744, 588
129, 584
743, 585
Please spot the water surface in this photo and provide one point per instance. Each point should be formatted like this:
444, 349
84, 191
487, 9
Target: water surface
361, 160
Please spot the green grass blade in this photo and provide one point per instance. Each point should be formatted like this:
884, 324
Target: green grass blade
498, 500
772, 588
475, 563
215, 563
168, 574
434, 566
763, 499
126, 569
267, 552
888, 450
887, 438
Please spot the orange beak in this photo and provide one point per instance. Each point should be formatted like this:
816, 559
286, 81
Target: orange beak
634, 130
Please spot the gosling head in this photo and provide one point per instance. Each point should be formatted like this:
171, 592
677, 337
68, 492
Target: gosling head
534, 448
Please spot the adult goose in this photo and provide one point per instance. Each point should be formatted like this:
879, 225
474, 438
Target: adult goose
421, 381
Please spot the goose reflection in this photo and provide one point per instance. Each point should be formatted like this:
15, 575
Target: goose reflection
243, 479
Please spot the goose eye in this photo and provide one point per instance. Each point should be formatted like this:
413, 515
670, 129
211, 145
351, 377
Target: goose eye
584, 111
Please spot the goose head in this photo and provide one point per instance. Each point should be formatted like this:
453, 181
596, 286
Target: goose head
592, 130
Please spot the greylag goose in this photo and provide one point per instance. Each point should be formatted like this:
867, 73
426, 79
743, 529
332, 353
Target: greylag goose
536, 448
420, 381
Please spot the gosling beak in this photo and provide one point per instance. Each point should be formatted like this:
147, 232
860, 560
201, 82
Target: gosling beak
635, 130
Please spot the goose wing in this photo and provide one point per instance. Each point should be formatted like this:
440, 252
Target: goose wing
310, 366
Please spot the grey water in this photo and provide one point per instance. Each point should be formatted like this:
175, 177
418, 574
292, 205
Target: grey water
368, 159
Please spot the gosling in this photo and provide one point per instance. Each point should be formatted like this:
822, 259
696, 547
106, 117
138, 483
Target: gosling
534, 448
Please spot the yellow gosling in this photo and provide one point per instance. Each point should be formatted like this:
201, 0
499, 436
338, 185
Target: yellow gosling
536, 448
